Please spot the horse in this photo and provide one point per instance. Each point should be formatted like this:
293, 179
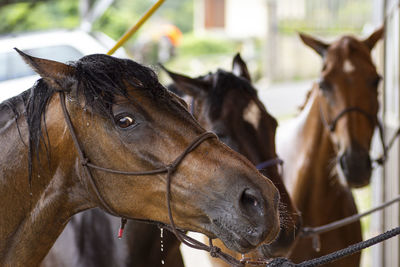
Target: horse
227, 104
103, 132
326, 147
141, 243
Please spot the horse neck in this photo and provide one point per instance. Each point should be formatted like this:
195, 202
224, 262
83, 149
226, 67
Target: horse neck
311, 174
34, 216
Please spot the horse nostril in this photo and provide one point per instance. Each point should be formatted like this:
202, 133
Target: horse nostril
250, 203
248, 199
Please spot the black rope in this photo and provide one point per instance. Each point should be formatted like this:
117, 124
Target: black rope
282, 262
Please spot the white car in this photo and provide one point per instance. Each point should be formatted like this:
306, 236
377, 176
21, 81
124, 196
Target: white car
60, 45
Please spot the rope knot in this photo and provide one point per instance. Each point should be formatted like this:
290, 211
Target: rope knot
214, 251
85, 161
171, 167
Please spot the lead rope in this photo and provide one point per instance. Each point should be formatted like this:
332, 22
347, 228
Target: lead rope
352, 249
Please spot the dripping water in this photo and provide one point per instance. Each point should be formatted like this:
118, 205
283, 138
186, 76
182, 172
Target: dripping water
162, 244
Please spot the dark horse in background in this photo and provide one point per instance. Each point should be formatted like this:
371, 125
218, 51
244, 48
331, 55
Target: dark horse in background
115, 114
326, 147
225, 103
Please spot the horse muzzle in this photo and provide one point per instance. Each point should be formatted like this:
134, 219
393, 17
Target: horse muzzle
246, 221
355, 163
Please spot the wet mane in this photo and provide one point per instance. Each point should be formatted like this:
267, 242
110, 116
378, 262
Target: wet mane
99, 78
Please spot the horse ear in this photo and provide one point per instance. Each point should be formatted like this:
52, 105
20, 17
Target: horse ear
374, 38
187, 85
57, 75
239, 68
319, 46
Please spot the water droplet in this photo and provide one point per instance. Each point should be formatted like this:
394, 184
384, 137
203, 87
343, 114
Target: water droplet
87, 124
162, 262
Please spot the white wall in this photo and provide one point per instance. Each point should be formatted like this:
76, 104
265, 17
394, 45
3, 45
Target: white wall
246, 18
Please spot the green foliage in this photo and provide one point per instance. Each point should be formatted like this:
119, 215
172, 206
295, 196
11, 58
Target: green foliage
120, 16
207, 45
39, 15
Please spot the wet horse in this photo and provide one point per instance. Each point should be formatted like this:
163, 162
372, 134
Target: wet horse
242, 122
83, 125
326, 147
227, 104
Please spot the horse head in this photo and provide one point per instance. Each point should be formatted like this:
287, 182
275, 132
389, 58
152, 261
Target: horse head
227, 104
348, 97
125, 120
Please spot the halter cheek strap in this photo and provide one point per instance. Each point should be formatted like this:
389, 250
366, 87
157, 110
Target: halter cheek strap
169, 169
372, 119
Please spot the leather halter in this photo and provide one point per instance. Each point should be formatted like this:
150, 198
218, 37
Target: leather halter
372, 119
168, 169
269, 163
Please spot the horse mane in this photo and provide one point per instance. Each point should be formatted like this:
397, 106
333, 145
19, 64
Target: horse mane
99, 79
224, 82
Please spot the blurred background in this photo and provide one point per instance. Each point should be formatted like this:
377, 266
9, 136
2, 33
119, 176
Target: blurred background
194, 37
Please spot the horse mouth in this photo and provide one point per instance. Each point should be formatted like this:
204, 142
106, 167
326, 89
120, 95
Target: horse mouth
353, 179
242, 241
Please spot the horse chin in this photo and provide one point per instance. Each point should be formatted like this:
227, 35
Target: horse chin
360, 184
240, 241
352, 182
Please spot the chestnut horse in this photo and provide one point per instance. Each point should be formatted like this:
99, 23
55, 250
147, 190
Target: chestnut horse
84, 123
227, 104
326, 147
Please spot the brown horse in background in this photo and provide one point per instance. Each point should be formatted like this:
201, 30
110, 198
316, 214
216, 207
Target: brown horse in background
227, 104
326, 147
114, 113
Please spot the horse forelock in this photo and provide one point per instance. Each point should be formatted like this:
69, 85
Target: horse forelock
223, 83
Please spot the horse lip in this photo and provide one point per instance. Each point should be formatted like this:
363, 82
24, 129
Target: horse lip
233, 240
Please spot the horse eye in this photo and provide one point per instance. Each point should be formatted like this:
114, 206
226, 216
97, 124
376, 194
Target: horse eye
124, 121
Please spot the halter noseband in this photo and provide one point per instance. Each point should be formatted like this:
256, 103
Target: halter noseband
269, 163
372, 119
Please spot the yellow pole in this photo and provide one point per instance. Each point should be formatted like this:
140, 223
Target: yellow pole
132, 30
